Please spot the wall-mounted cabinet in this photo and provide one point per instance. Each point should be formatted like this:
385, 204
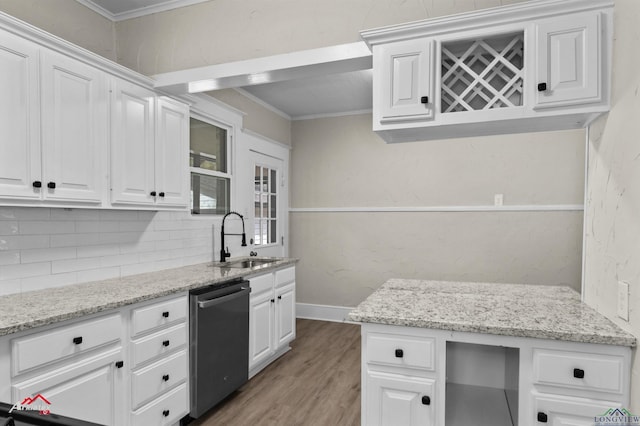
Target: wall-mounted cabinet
540, 65
149, 148
57, 129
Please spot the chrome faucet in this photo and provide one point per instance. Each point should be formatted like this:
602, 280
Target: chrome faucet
225, 253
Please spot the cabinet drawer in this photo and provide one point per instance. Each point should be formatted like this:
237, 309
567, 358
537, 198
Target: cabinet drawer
401, 351
568, 411
285, 276
159, 314
151, 381
261, 284
165, 410
159, 343
52, 345
577, 370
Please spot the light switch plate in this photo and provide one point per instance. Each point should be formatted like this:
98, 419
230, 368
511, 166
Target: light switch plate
498, 200
623, 300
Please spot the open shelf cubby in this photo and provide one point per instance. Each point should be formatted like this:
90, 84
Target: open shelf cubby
482, 385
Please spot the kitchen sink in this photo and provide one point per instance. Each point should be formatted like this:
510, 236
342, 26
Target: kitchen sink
248, 263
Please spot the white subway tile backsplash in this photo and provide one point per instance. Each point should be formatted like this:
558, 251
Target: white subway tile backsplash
11, 272
46, 227
47, 254
9, 257
9, 227
41, 247
73, 265
22, 242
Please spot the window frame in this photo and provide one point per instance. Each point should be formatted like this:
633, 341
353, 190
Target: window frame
204, 213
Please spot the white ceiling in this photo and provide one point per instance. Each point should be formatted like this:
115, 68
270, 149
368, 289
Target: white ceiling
119, 10
327, 95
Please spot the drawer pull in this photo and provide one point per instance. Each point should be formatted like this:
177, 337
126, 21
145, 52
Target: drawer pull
165, 314
165, 413
542, 87
37, 184
161, 194
152, 193
119, 364
399, 353
578, 373
424, 100
426, 400
165, 377
542, 417
165, 343
51, 185
77, 340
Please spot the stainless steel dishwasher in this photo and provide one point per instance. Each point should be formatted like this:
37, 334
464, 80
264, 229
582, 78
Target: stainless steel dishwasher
219, 332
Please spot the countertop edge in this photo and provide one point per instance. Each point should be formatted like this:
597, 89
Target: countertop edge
82, 311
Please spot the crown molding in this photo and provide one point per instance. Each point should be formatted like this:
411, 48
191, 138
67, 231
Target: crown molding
141, 11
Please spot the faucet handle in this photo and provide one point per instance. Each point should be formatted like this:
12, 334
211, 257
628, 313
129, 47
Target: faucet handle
227, 252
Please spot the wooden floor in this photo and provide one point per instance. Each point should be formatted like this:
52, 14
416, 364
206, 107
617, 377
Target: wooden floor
316, 383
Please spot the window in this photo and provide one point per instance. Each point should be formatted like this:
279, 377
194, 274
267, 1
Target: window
209, 165
266, 205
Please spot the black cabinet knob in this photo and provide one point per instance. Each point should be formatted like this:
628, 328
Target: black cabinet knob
161, 194
165, 413
542, 87
165, 377
37, 184
273, 300
578, 373
542, 417
165, 343
399, 353
152, 193
77, 340
424, 100
51, 185
279, 297
426, 400
165, 314
119, 364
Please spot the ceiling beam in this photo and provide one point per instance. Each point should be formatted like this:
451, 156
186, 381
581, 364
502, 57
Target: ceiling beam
302, 64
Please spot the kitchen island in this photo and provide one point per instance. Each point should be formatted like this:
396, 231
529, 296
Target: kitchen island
454, 353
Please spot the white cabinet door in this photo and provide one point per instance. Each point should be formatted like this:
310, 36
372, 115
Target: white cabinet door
399, 400
285, 314
88, 390
564, 411
260, 327
19, 118
405, 85
568, 61
172, 153
74, 129
132, 144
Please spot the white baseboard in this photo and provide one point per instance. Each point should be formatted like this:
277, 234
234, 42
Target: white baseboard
323, 312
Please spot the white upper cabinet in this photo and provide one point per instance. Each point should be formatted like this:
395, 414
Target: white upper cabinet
74, 130
149, 148
567, 63
534, 66
77, 130
19, 118
172, 153
408, 68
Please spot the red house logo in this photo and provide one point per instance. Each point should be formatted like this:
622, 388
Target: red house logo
36, 403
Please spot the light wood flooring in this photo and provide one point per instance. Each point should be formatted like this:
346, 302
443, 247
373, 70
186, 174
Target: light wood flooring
316, 383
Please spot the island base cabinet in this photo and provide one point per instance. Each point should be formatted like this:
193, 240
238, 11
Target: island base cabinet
569, 411
395, 400
86, 390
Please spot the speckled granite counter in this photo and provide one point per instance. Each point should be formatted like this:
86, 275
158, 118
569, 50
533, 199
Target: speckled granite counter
38, 308
545, 312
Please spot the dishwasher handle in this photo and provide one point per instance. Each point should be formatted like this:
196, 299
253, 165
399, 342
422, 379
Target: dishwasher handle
203, 304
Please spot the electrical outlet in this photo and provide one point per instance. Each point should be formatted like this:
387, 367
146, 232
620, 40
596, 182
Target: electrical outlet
498, 199
623, 300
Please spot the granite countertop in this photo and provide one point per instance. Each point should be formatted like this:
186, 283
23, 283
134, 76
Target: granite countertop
28, 310
545, 312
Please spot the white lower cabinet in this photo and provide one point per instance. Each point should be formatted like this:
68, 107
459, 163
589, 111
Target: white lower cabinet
399, 400
424, 376
129, 366
272, 317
